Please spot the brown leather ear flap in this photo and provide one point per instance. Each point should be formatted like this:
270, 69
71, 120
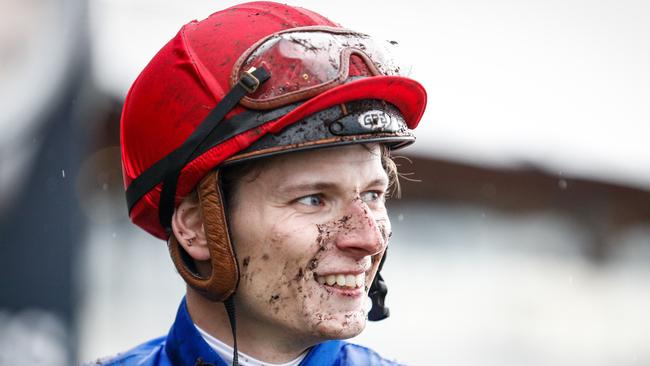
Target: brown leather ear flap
224, 276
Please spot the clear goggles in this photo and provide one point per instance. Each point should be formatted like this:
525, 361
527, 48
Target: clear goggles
304, 62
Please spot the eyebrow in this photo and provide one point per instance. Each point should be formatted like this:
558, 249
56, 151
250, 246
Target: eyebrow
320, 186
300, 187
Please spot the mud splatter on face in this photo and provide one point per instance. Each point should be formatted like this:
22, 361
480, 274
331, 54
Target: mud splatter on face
288, 244
273, 301
300, 275
245, 273
324, 244
346, 321
313, 263
385, 234
296, 277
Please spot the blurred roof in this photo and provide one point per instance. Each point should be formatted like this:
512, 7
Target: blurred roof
563, 85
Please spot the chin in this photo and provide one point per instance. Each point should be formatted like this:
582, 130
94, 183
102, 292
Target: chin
339, 325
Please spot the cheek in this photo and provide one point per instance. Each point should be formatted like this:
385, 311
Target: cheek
384, 226
275, 270
261, 258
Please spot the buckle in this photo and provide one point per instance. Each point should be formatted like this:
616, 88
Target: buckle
248, 81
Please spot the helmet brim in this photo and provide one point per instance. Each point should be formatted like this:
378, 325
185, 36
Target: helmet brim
406, 94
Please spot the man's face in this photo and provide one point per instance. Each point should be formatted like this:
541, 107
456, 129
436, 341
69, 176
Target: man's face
309, 230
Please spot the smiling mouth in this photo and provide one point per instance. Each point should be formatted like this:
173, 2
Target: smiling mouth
345, 281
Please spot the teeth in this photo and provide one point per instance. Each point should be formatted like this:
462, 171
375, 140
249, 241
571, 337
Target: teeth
350, 281
342, 280
331, 279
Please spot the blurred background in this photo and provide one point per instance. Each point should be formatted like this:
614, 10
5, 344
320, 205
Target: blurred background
524, 241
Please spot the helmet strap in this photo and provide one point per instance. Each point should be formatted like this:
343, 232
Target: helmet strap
229, 303
224, 276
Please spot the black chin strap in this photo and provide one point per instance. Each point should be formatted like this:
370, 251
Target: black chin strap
377, 294
229, 303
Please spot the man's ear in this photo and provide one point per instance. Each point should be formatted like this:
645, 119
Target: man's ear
187, 225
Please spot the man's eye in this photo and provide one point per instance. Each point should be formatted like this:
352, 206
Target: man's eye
371, 196
311, 200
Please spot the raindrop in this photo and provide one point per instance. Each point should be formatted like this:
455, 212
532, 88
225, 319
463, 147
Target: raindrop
114, 235
562, 184
104, 186
63, 173
400, 217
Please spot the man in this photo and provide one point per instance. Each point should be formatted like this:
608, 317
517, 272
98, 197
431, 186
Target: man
256, 142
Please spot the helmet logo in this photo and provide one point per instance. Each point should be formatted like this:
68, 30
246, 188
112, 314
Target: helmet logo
375, 120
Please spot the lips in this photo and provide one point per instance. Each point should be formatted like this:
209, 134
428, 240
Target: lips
343, 280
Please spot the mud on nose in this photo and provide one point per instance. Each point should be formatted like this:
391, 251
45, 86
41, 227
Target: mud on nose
359, 232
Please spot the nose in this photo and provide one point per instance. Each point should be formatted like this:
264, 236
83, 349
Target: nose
360, 233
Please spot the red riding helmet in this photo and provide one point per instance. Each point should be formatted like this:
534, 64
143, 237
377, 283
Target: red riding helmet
250, 81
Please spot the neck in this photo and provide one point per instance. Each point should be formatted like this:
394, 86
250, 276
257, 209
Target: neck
265, 342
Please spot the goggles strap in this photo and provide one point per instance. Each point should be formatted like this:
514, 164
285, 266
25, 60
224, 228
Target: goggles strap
167, 170
248, 83
224, 131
